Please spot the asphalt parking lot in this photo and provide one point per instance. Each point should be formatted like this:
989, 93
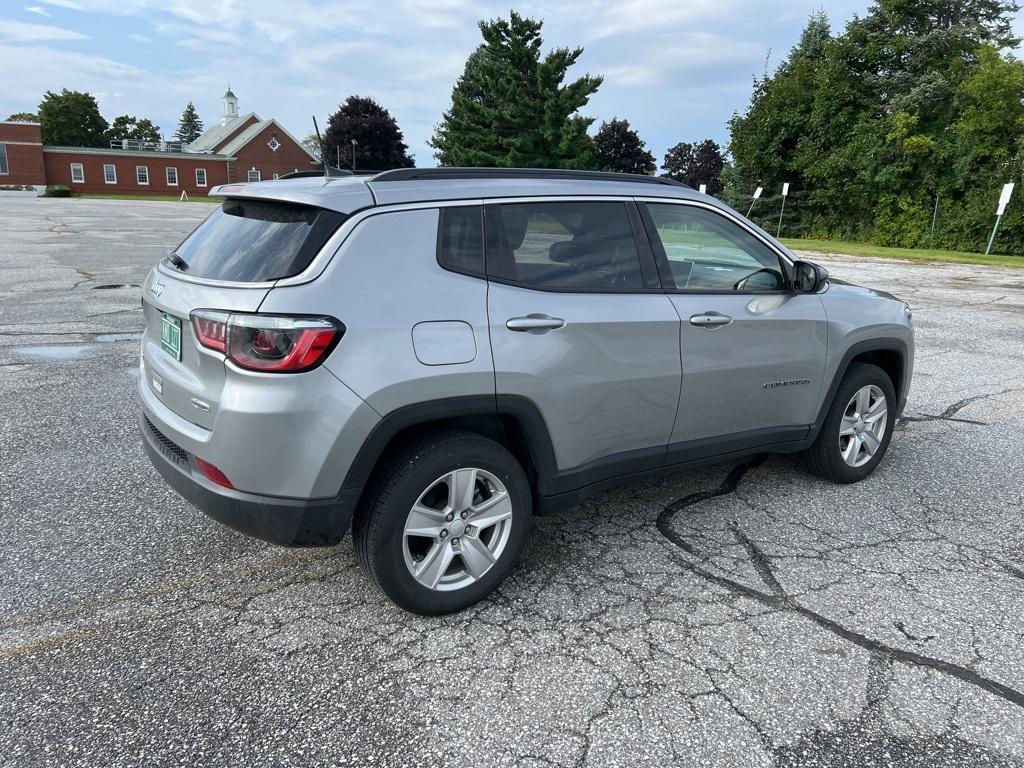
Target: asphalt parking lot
738, 615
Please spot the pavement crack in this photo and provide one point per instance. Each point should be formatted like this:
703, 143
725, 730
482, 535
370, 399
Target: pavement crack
778, 599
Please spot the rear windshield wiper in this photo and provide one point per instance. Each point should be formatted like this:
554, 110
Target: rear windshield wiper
177, 261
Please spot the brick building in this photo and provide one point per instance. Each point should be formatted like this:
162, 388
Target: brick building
239, 148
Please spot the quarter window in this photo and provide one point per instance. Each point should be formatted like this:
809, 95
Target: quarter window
570, 246
200, 177
705, 251
172, 177
77, 173
109, 174
460, 241
4, 168
142, 174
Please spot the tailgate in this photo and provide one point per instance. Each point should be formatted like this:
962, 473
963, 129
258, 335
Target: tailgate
190, 386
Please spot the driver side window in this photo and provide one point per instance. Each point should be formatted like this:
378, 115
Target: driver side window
705, 251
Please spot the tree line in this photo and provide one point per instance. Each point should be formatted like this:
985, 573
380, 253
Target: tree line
901, 130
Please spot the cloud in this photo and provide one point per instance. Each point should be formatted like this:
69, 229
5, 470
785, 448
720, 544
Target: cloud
21, 32
37, 9
139, 38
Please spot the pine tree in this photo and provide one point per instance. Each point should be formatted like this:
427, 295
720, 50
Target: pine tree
190, 127
619, 148
510, 107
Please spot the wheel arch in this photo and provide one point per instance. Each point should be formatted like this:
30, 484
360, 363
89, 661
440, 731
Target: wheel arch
889, 354
512, 421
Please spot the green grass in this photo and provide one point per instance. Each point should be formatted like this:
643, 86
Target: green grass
911, 254
163, 198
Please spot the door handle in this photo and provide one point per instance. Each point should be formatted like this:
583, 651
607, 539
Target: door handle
710, 320
534, 323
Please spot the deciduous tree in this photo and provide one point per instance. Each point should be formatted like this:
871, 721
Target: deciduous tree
619, 148
379, 145
71, 119
696, 164
134, 128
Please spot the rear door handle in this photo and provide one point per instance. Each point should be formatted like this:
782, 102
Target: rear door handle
534, 323
710, 319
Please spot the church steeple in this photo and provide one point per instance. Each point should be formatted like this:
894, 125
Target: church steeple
230, 106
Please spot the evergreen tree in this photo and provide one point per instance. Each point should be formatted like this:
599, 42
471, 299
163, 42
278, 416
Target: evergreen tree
379, 145
619, 148
190, 127
511, 107
71, 119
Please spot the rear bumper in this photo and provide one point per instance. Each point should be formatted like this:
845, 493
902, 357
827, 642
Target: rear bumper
282, 521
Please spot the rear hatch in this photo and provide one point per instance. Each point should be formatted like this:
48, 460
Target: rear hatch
229, 263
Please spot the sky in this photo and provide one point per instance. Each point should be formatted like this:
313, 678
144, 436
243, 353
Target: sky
676, 69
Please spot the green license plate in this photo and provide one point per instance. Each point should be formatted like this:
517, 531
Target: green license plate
170, 336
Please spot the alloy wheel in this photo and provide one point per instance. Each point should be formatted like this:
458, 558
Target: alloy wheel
863, 425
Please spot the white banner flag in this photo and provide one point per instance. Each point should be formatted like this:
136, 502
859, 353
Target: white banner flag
785, 189
703, 189
757, 193
1004, 198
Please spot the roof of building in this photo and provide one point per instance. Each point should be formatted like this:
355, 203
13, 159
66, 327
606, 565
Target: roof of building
215, 135
139, 153
228, 94
255, 130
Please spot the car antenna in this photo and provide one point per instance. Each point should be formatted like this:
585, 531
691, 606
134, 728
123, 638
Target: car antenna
323, 151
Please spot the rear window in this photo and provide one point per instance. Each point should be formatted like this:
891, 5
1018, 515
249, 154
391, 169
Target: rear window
256, 240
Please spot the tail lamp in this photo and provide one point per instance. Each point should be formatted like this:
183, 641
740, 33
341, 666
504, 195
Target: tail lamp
268, 343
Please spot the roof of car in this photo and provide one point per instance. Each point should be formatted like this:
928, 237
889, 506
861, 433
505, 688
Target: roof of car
416, 185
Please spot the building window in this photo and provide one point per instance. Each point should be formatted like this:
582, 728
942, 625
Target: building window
200, 177
275, 177
78, 173
4, 168
142, 174
109, 174
274, 144
254, 175
172, 177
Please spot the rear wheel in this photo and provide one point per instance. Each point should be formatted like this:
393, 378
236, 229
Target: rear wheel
444, 522
858, 426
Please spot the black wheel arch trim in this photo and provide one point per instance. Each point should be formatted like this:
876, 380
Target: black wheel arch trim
859, 348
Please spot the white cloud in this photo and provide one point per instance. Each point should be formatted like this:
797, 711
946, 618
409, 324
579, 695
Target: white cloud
21, 32
37, 9
139, 38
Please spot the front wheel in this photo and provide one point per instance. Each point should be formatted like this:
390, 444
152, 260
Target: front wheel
444, 522
857, 428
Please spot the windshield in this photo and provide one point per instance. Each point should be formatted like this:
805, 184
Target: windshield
256, 241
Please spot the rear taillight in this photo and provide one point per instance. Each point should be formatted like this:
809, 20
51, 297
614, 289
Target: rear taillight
269, 343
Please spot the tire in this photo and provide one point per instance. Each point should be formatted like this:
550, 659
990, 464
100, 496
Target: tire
827, 457
429, 473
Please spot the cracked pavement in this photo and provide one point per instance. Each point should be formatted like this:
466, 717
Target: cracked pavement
739, 614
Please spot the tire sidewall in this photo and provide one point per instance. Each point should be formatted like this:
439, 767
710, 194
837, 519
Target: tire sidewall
860, 375
416, 475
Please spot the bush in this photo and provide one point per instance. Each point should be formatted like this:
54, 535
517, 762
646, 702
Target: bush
58, 191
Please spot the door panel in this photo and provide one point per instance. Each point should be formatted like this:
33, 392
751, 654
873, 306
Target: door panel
606, 381
762, 370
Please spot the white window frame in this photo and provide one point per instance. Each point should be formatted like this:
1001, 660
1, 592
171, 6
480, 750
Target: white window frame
113, 172
167, 176
276, 177
5, 167
81, 173
138, 176
251, 171
198, 182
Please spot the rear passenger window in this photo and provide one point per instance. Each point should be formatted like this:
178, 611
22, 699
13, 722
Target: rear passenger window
567, 246
460, 239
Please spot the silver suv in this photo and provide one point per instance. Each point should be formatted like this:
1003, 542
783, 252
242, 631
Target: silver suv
434, 355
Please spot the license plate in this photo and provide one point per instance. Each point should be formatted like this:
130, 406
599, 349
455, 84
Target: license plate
170, 336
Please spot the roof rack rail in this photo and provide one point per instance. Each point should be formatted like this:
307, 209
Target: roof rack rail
410, 174
331, 171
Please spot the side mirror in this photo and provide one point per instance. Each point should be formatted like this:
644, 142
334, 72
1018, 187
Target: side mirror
808, 277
